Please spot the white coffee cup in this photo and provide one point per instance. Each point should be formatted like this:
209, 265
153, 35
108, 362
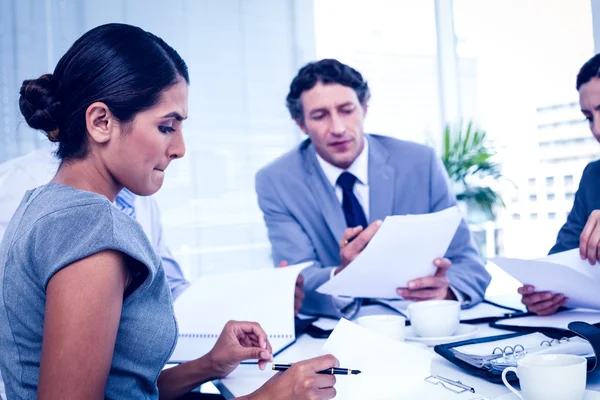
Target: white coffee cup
391, 326
435, 318
549, 377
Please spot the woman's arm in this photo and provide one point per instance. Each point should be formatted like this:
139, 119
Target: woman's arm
83, 309
239, 341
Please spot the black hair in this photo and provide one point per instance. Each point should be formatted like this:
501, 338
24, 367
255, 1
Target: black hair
325, 71
120, 65
590, 70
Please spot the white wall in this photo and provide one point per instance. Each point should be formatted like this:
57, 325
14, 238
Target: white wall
242, 56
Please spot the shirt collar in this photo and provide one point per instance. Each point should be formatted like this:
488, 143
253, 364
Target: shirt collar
126, 195
359, 168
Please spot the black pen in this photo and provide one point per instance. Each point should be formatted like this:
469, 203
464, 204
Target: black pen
328, 371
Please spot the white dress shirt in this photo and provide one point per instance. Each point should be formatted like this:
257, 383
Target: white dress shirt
360, 169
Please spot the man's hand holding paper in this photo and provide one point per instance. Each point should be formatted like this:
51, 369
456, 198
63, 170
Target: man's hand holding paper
354, 241
435, 287
411, 243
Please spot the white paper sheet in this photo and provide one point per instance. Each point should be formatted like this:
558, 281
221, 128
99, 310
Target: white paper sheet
389, 368
265, 296
403, 249
559, 273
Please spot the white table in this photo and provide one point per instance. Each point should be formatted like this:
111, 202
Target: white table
247, 378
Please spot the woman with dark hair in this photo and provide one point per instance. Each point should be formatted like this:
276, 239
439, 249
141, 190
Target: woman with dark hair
582, 229
85, 310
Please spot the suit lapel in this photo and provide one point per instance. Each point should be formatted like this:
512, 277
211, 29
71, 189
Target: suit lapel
327, 201
381, 181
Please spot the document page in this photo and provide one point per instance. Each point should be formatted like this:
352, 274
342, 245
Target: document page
389, 368
562, 273
403, 249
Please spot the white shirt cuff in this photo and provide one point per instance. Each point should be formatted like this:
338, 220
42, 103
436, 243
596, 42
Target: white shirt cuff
459, 296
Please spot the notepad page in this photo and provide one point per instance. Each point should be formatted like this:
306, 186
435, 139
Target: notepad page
265, 296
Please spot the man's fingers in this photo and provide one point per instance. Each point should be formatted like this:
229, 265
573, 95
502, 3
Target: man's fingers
548, 307
363, 238
586, 234
300, 281
442, 263
282, 264
428, 282
526, 289
592, 248
542, 302
423, 294
536, 297
349, 234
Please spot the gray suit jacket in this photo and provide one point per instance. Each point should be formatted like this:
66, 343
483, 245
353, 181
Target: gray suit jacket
305, 220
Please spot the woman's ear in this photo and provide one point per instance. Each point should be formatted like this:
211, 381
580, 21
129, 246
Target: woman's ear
99, 122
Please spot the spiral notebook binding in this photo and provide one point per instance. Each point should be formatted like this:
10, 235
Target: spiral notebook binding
509, 355
519, 351
216, 335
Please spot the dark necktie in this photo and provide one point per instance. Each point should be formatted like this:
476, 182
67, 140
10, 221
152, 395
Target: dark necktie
353, 212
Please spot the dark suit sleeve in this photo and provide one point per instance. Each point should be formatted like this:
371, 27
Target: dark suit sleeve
568, 236
467, 274
290, 243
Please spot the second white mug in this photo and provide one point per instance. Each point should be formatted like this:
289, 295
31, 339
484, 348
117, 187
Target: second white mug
549, 377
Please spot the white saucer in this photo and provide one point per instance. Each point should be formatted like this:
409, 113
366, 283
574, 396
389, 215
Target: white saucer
463, 332
589, 395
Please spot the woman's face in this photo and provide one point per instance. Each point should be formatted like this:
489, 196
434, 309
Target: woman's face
589, 100
140, 154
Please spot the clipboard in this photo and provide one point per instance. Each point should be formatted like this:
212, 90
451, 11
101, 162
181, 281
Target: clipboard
584, 330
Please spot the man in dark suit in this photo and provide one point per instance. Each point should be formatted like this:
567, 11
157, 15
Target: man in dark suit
582, 228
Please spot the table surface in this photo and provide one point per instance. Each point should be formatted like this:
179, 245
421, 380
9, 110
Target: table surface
247, 378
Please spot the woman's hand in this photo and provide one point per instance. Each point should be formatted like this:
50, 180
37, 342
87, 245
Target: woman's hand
300, 382
239, 341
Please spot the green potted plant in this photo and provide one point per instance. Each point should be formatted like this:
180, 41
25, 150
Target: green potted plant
468, 155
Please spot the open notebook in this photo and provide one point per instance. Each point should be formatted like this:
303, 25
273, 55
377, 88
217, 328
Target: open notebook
499, 354
265, 296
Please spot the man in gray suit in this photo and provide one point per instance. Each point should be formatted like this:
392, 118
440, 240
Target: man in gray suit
318, 198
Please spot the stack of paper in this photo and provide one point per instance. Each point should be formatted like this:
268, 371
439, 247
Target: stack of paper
562, 273
403, 249
265, 296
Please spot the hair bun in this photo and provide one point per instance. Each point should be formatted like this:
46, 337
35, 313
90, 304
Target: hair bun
40, 105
